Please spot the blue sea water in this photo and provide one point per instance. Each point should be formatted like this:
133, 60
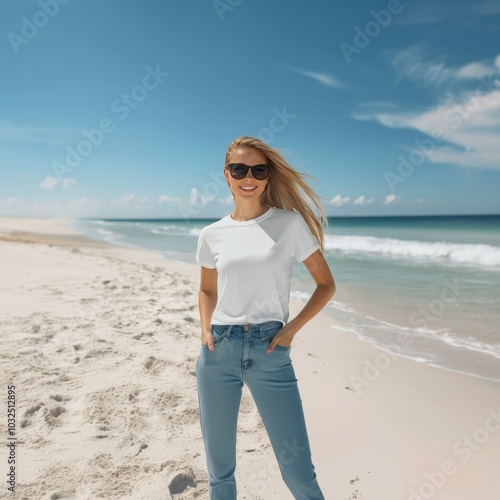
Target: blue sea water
426, 287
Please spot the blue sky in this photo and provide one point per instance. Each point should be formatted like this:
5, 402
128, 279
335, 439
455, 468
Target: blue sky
126, 108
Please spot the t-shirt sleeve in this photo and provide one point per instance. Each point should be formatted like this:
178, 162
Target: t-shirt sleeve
204, 256
304, 242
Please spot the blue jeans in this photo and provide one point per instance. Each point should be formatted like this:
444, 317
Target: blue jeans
240, 357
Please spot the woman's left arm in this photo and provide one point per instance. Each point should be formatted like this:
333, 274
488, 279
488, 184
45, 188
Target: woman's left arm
325, 290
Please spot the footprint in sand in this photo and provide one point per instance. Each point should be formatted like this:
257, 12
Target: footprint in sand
356, 495
83, 492
181, 481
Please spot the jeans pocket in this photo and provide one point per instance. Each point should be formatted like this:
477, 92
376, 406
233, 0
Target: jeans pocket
219, 332
270, 336
282, 347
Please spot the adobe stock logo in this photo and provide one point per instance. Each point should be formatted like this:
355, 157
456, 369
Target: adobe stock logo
122, 106
31, 27
464, 448
373, 28
221, 7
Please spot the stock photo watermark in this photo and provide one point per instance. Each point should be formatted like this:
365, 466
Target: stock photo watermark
122, 107
277, 123
288, 454
364, 36
426, 313
31, 27
222, 7
463, 449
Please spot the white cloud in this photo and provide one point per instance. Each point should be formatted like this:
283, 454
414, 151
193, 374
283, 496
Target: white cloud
52, 182
475, 70
487, 8
53, 208
469, 130
44, 135
338, 200
68, 183
84, 206
419, 17
123, 200
226, 201
363, 201
198, 199
413, 63
416, 63
165, 198
49, 183
324, 78
12, 205
391, 198
463, 128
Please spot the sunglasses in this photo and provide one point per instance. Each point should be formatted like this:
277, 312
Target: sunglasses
240, 170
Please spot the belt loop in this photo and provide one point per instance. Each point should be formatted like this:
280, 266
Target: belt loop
262, 328
228, 331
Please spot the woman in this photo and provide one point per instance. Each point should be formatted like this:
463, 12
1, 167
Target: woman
246, 266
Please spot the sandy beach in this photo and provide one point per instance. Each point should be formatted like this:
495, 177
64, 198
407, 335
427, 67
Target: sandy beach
101, 342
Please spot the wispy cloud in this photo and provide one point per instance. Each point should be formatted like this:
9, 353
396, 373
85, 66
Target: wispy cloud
129, 200
226, 201
53, 208
432, 12
52, 182
338, 200
474, 70
363, 201
44, 135
324, 78
68, 183
197, 199
413, 63
419, 64
421, 14
486, 8
165, 198
464, 125
392, 198
49, 183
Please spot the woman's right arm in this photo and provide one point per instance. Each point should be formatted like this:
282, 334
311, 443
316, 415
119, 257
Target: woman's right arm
207, 300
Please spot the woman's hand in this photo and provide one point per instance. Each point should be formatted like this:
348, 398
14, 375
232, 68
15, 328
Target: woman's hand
284, 336
207, 337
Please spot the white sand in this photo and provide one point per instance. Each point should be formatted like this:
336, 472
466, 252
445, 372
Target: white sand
101, 343
61, 226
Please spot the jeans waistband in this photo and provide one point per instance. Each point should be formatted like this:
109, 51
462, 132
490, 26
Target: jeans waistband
252, 327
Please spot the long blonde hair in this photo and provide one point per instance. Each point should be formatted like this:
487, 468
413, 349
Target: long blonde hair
284, 185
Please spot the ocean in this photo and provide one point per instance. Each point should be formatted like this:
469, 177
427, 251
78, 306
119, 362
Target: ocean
424, 287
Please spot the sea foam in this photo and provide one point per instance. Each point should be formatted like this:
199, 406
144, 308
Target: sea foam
480, 254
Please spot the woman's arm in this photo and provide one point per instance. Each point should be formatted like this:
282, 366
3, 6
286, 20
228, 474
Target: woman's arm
325, 289
207, 300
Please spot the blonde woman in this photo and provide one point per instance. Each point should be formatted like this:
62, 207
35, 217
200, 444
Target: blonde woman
246, 266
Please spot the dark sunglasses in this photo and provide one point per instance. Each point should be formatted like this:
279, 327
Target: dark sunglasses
240, 170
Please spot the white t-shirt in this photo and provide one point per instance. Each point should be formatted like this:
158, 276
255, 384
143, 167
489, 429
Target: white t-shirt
254, 260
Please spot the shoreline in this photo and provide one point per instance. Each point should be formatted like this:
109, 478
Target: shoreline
370, 322
380, 425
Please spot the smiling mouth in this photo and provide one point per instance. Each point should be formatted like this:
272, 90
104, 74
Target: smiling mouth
248, 189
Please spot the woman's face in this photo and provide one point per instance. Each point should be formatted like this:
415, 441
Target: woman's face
249, 157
